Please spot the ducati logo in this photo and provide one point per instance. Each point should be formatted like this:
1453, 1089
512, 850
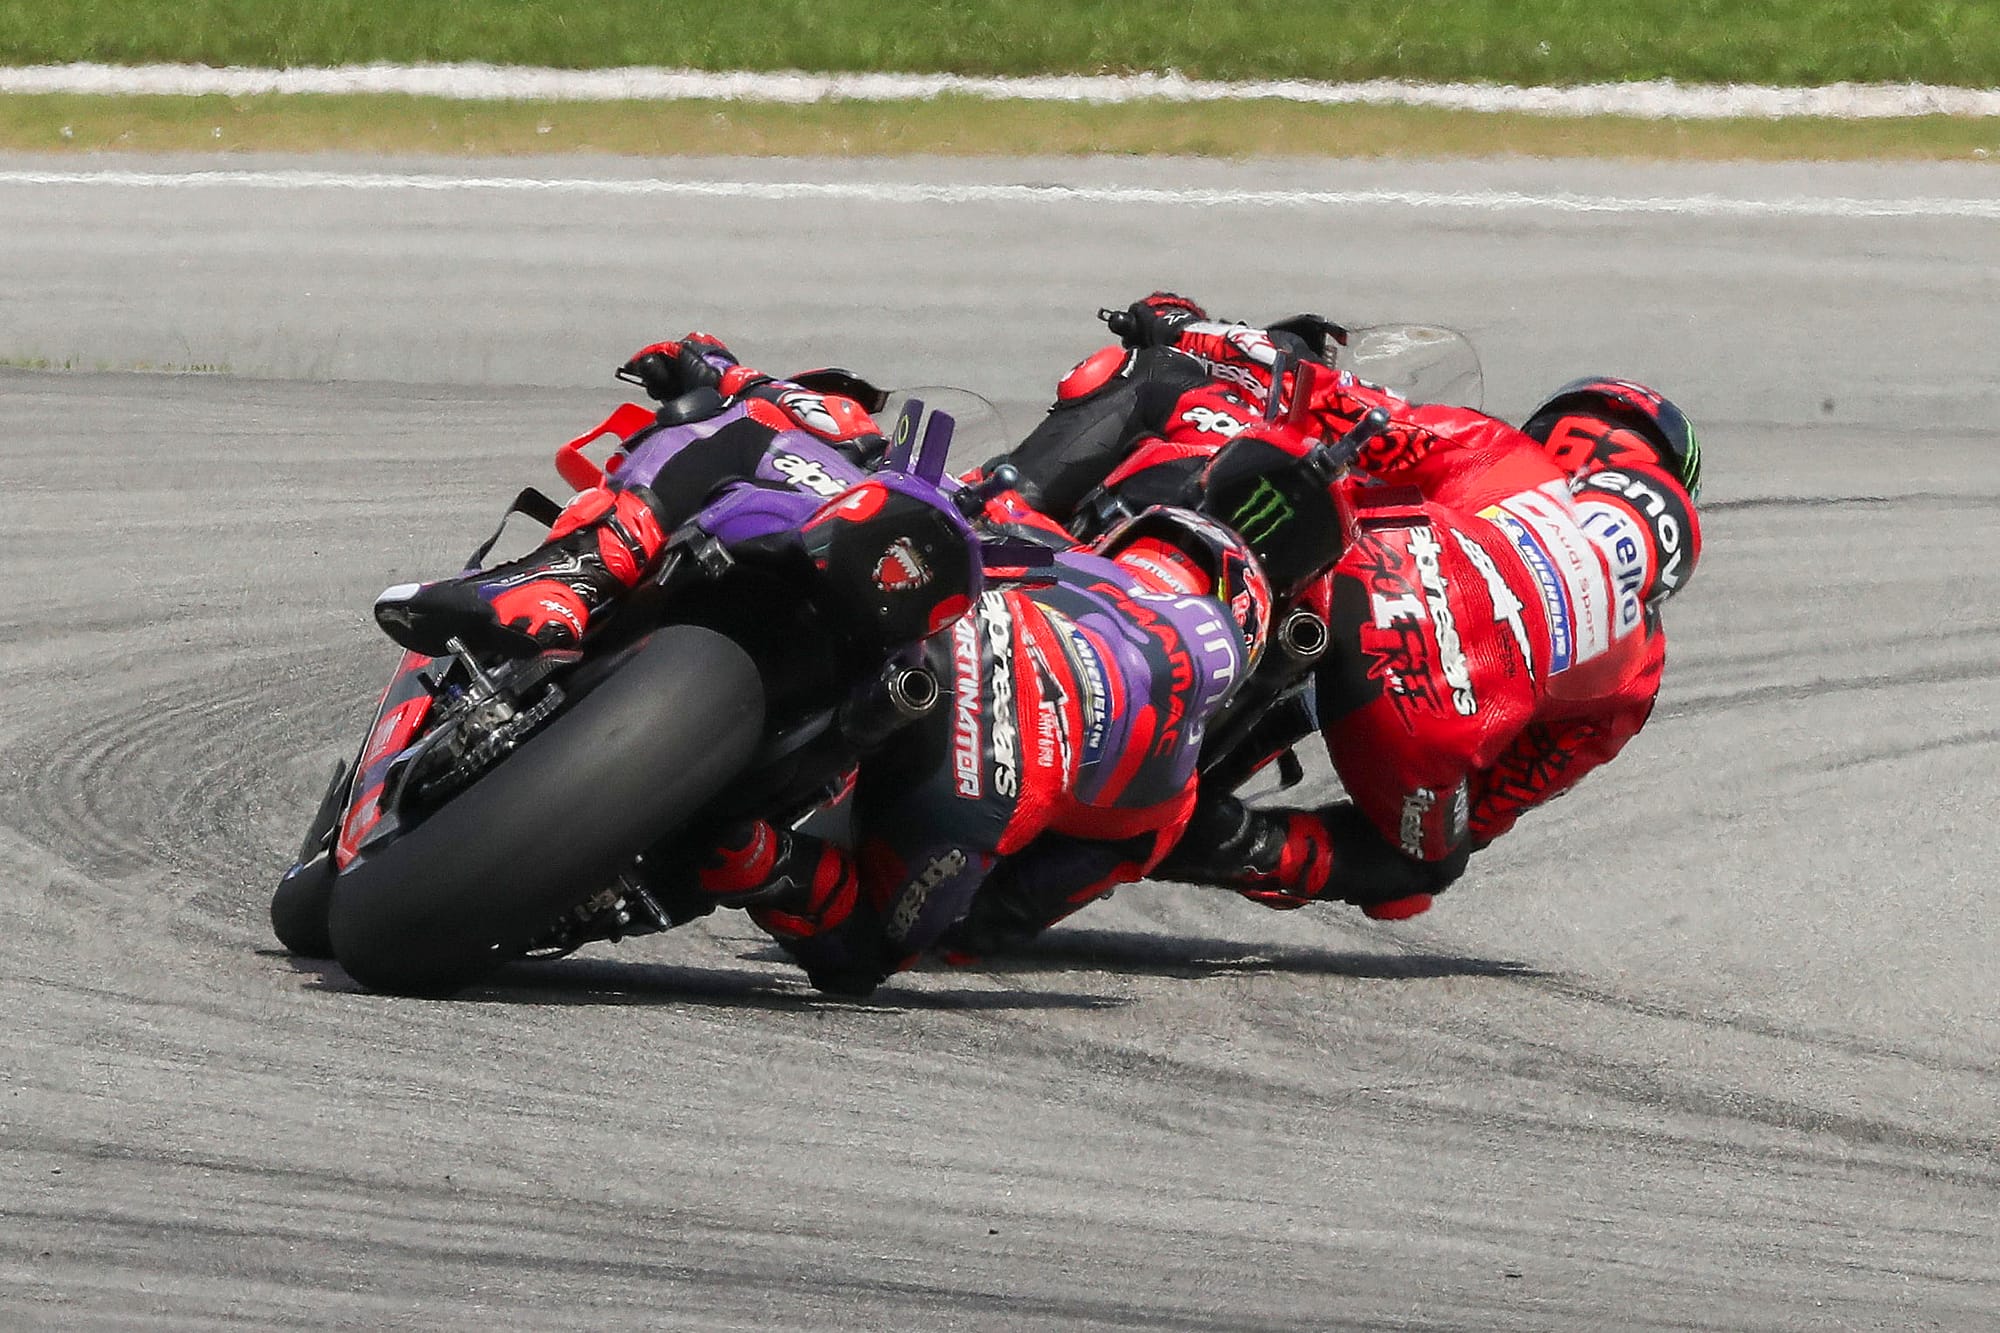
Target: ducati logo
901, 569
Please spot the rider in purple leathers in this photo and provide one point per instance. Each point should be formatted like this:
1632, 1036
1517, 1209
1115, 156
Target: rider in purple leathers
1064, 751
1076, 683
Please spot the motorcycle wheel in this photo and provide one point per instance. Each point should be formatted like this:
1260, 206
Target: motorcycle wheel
482, 878
298, 908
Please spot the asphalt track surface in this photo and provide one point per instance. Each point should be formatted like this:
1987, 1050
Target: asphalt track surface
1711, 1043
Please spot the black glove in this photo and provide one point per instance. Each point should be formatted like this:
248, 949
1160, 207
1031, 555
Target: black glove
1154, 322
666, 376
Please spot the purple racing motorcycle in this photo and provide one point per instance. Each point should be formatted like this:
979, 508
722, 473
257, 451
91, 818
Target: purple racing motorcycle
521, 808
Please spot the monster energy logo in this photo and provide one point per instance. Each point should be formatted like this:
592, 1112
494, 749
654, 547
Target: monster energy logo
1262, 513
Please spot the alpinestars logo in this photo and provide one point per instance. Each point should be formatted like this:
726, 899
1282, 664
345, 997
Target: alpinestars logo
1415, 806
1451, 653
1507, 607
1006, 740
808, 474
910, 903
809, 410
1263, 512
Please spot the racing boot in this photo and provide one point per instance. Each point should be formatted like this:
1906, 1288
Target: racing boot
1285, 859
794, 885
601, 545
805, 892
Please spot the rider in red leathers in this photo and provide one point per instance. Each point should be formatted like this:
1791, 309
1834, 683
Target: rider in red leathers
1495, 622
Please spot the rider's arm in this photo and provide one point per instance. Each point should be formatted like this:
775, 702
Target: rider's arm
1106, 405
1549, 757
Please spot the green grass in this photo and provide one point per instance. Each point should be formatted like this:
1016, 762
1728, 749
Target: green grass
944, 126
1798, 42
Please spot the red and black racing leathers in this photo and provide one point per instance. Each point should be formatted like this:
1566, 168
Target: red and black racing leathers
1489, 644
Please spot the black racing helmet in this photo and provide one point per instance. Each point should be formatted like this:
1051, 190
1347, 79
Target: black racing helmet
1597, 423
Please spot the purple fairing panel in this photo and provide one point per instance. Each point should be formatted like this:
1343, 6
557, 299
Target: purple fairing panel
742, 513
794, 458
646, 455
812, 471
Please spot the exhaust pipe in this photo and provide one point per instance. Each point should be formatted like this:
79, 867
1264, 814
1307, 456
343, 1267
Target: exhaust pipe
912, 691
1303, 637
893, 700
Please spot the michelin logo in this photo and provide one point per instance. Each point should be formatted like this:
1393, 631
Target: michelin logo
1555, 598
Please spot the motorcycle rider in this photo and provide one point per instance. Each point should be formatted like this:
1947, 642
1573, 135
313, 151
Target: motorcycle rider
1495, 623
1079, 684
1076, 695
607, 537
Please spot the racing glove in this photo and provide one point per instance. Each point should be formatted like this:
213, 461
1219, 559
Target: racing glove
1155, 321
666, 370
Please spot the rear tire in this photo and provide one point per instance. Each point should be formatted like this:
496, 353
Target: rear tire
481, 879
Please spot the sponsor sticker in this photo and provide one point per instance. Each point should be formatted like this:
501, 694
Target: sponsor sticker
1550, 513
965, 765
1211, 421
1665, 517
901, 568
1549, 583
1089, 670
1623, 546
807, 474
1263, 513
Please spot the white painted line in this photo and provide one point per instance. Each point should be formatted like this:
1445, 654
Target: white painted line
1655, 100
1482, 201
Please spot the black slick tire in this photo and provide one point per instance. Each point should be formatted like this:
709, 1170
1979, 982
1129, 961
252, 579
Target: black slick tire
481, 879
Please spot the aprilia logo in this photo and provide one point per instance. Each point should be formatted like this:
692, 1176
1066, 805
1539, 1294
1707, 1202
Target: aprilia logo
809, 474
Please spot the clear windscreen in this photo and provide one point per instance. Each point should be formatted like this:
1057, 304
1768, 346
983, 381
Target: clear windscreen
978, 431
1426, 363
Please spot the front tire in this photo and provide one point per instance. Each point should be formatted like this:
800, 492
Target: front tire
299, 906
480, 880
